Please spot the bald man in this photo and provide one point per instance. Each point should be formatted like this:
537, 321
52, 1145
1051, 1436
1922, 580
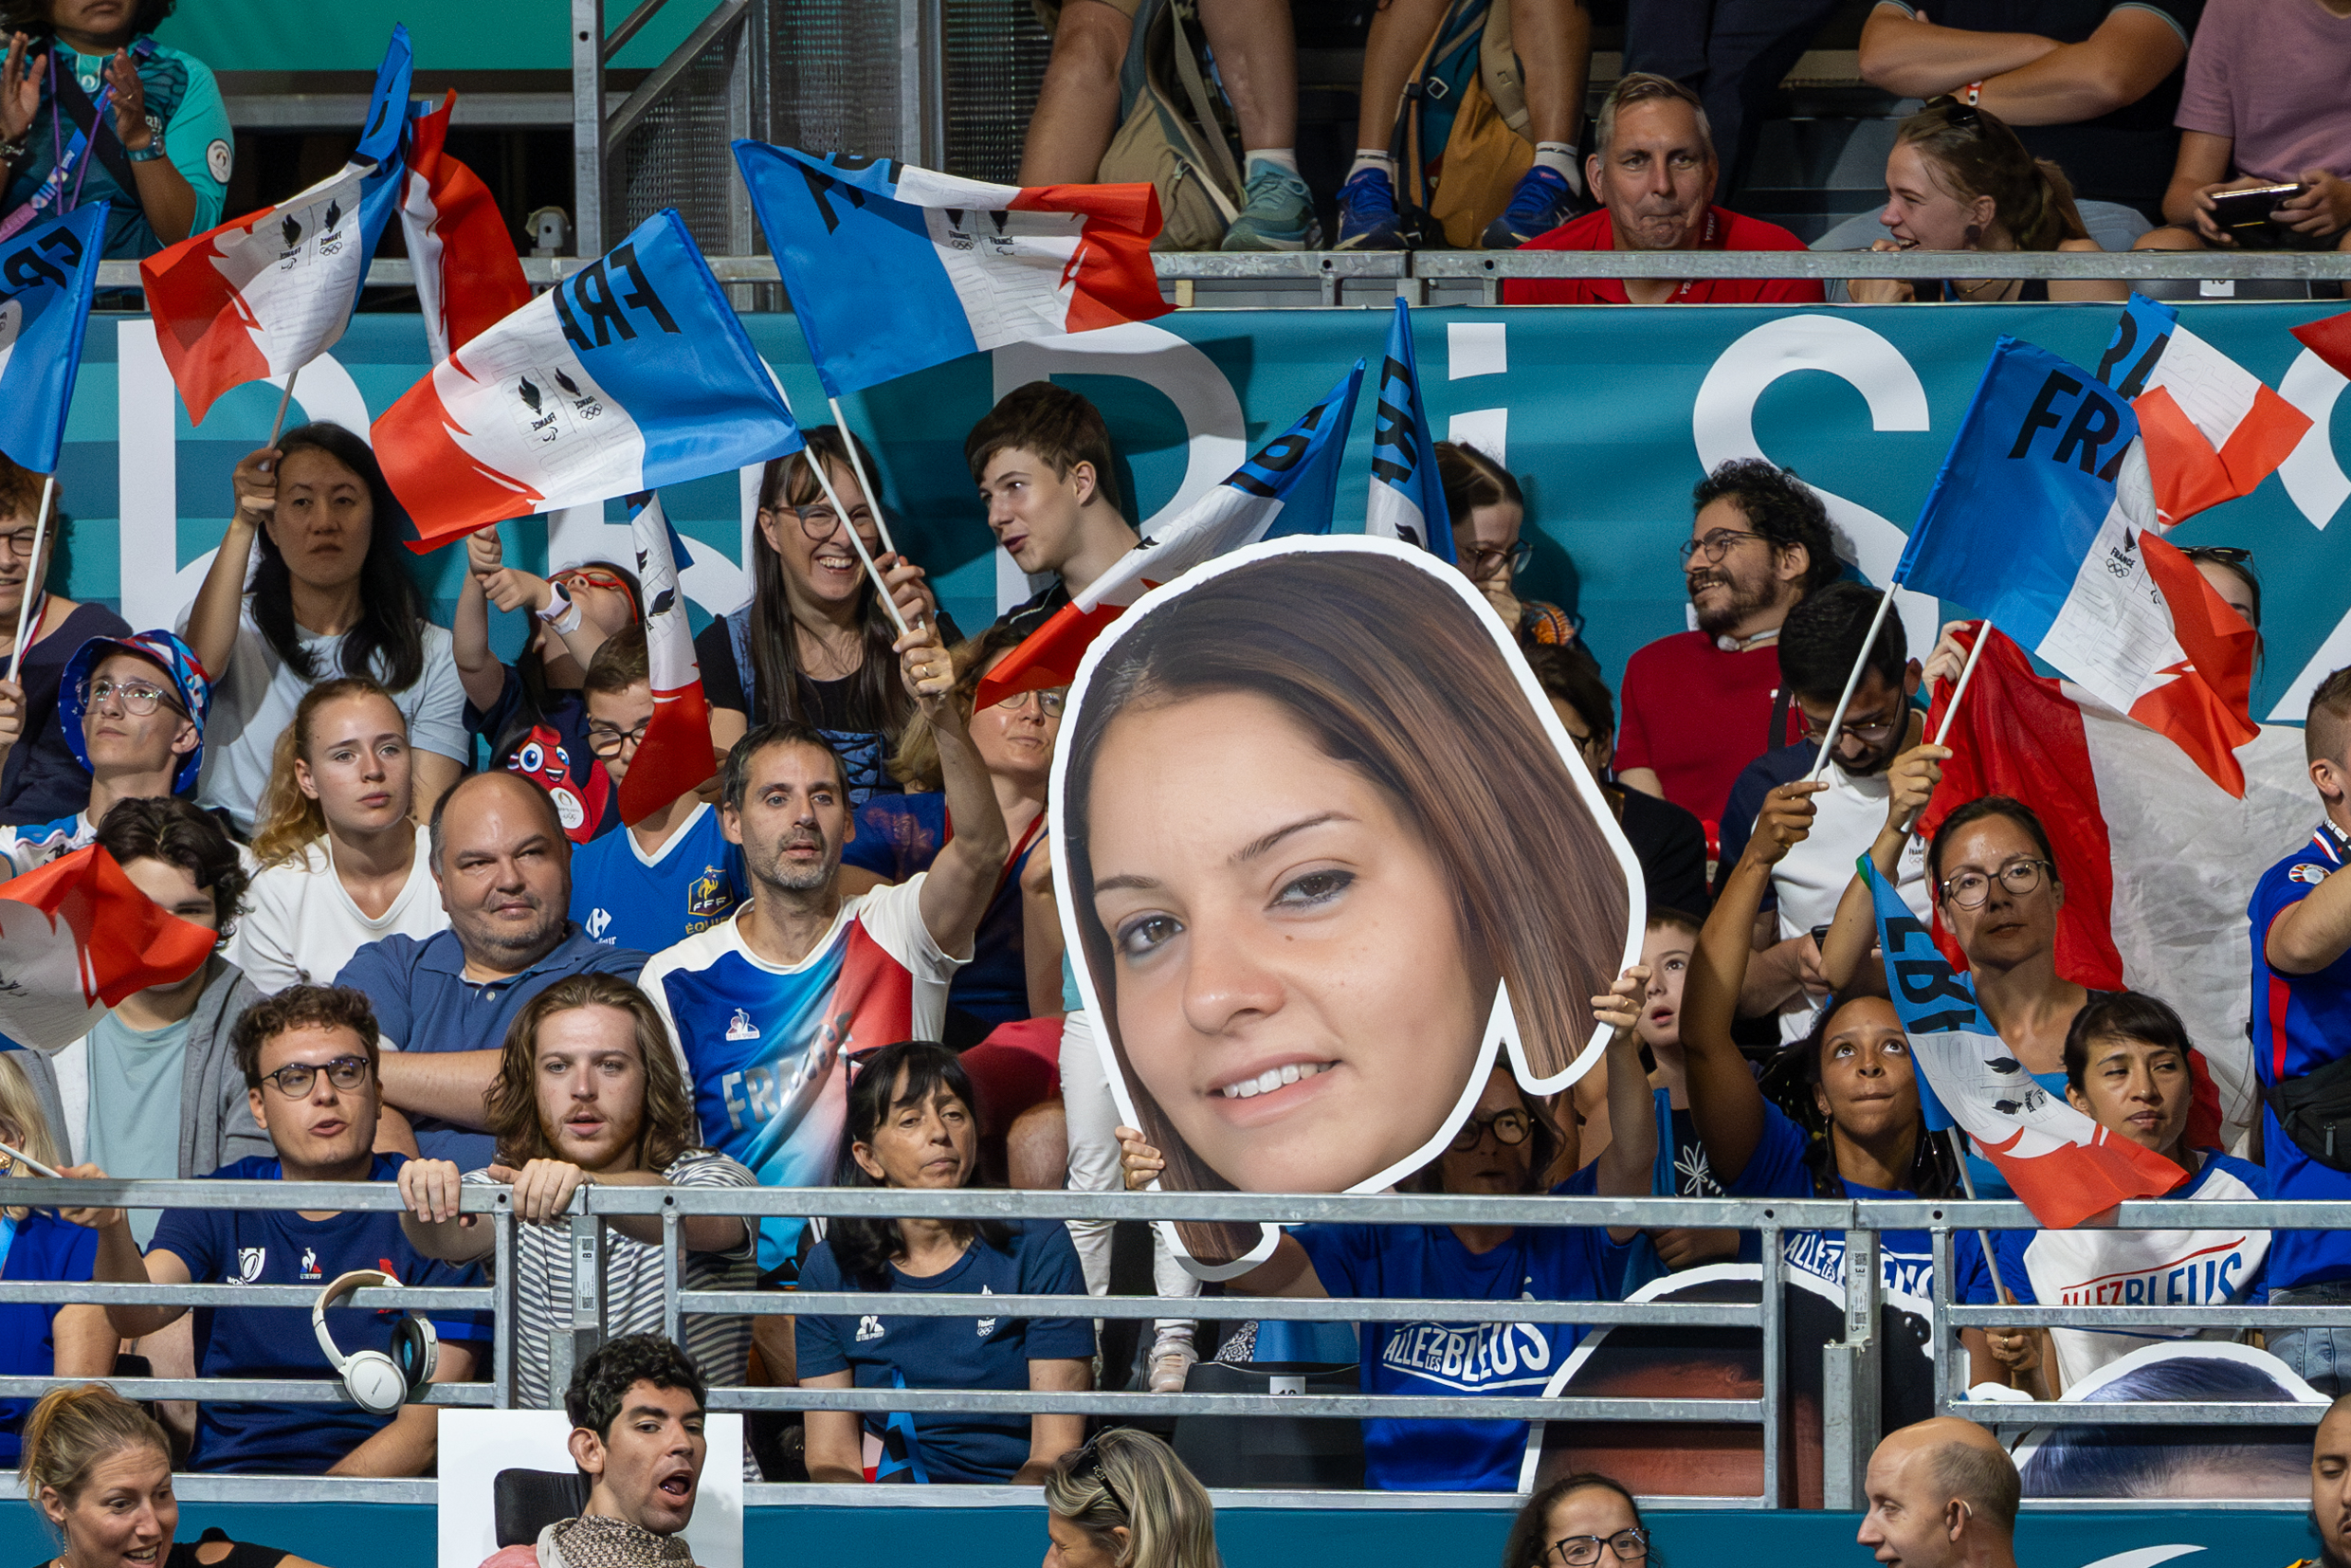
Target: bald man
2330, 1488
1942, 1494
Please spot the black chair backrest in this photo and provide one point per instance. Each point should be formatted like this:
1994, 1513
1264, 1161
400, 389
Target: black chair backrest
526, 1501
1308, 1453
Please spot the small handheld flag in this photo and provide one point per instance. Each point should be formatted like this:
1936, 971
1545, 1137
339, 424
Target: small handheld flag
675, 754
1408, 497
2213, 430
892, 268
75, 938
468, 277
47, 275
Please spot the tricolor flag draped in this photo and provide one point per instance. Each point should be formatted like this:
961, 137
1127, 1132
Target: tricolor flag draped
675, 754
631, 374
469, 277
2062, 1165
2213, 430
75, 938
1289, 487
2042, 519
47, 273
892, 268
1408, 499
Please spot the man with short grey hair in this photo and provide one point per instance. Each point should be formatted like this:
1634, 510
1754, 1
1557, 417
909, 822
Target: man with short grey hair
1942, 1494
1652, 168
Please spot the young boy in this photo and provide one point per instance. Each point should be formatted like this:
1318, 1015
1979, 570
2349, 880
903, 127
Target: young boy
652, 885
1041, 461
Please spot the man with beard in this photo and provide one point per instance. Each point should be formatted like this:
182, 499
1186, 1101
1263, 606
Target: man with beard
1818, 647
1698, 705
1654, 171
504, 866
2330, 1488
767, 1006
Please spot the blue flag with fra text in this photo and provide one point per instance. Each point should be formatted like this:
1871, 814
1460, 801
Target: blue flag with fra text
1408, 497
383, 141
47, 274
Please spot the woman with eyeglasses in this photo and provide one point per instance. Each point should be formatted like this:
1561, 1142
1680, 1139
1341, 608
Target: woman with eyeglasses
537, 700
1125, 1501
1576, 1522
814, 642
342, 861
41, 780
317, 530
1487, 510
1959, 180
1505, 1148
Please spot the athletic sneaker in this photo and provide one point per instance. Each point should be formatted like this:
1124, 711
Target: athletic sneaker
1543, 201
1171, 1361
1368, 219
1277, 213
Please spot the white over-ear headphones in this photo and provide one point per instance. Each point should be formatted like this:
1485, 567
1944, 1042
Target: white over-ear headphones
377, 1383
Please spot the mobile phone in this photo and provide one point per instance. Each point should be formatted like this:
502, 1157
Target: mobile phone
1820, 933
2244, 215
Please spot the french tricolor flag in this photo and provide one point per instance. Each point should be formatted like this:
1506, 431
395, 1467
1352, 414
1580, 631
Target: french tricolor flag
469, 277
2043, 519
631, 374
893, 269
2062, 1165
2213, 430
75, 938
675, 754
1407, 500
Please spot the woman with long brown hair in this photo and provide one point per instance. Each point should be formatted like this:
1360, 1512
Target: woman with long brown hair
814, 643
588, 1092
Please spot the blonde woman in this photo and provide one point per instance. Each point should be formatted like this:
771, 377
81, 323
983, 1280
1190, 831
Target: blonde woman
1125, 1501
41, 1339
342, 863
98, 1469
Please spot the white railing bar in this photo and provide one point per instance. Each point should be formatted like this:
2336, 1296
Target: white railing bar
1335, 1406
797, 1304
372, 1298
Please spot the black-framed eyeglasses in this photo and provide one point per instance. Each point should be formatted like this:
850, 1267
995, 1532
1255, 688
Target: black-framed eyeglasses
818, 523
606, 741
1481, 558
1969, 889
1050, 701
19, 539
1870, 733
1962, 117
1718, 544
139, 698
1511, 1129
1583, 1551
1088, 1466
295, 1079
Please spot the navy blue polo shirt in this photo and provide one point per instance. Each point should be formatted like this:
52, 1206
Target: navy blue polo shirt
424, 1002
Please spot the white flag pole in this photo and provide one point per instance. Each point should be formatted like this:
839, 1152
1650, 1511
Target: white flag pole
32, 585
816, 464
1836, 720
277, 426
857, 465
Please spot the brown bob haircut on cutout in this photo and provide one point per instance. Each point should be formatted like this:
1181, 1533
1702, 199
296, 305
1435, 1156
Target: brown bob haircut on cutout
1348, 645
1054, 423
301, 1006
511, 1107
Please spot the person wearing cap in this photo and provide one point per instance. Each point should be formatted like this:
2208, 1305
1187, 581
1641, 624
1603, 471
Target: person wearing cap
132, 708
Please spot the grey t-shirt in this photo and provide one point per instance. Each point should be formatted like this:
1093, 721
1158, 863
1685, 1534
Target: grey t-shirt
133, 1129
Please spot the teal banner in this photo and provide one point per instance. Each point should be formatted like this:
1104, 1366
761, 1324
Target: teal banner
1608, 416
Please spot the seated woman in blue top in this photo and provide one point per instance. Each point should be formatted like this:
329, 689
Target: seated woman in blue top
912, 1125
1016, 970
1503, 1149
2127, 1068
41, 1338
1847, 1124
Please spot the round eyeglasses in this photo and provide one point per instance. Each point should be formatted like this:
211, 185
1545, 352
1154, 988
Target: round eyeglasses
1049, 703
294, 1080
1481, 560
819, 523
1969, 889
607, 742
1583, 1551
1511, 1129
139, 698
1717, 544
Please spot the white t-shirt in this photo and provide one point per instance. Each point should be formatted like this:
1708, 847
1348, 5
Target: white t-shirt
301, 927
1811, 879
255, 699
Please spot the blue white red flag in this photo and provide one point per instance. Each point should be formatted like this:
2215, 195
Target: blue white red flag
892, 268
383, 142
469, 277
631, 374
47, 273
1289, 487
2062, 1165
75, 938
2213, 430
1408, 499
2043, 519
675, 754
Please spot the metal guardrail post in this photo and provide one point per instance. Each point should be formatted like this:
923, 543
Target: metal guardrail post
1774, 1325
1850, 1381
568, 1349
587, 127
1950, 1381
509, 1295
673, 1270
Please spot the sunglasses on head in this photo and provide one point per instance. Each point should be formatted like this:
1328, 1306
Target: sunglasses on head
2227, 555
1963, 116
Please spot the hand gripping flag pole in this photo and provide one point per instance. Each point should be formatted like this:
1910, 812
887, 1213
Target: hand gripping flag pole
816, 466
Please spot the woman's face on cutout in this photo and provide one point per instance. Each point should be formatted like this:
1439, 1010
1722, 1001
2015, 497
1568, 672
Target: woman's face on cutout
1291, 985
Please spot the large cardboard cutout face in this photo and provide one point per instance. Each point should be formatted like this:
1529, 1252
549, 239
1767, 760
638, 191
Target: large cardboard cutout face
1325, 850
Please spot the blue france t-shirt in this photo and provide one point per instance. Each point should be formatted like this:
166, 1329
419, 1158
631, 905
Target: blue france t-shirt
622, 897
1509, 1360
2301, 1022
257, 1247
957, 1353
40, 1247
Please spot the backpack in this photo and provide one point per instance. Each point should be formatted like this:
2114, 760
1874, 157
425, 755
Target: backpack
1467, 101
1170, 134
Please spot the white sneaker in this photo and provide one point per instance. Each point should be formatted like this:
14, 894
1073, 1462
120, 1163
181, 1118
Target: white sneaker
1169, 1365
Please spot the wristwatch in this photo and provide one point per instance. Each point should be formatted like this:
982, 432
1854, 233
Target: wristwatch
560, 612
153, 149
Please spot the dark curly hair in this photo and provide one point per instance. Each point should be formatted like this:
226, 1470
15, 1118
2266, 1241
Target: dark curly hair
301, 1007
601, 1384
387, 645
1526, 1548
1788, 1080
31, 18
1779, 507
179, 833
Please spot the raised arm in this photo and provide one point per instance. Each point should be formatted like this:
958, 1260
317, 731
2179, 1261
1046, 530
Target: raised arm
2313, 933
1853, 933
964, 879
212, 620
1629, 1161
428, 1188
482, 671
1910, 57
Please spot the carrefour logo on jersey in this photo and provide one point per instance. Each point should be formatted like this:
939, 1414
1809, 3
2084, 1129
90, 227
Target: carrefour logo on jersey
1471, 1357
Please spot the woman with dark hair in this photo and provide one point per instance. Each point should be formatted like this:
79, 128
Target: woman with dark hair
589, 1093
92, 108
1576, 1522
1959, 180
1668, 842
1487, 511
813, 644
329, 596
913, 1125
43, 778
1311, 879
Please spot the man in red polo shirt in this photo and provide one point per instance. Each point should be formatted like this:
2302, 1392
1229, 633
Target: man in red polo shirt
1654, 171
